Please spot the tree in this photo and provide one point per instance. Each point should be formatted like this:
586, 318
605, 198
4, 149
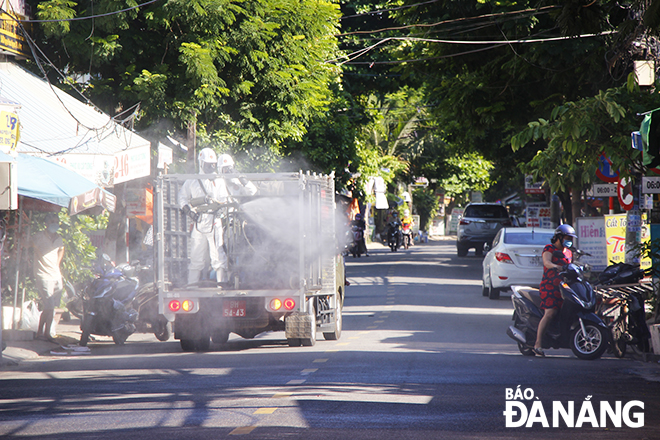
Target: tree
577, 133
244, 72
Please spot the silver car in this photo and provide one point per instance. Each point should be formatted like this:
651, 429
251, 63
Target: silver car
515, 259
478, 225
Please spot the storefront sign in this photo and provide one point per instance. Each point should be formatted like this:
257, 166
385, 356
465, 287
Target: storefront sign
538, 217
592, 240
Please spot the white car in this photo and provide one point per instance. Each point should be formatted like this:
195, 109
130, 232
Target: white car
514, 259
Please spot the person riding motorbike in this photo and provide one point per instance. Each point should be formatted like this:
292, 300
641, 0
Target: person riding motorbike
555, 256
361, 225
202, 238
407, 225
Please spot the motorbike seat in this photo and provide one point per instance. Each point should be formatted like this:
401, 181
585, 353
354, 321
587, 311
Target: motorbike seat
533, 295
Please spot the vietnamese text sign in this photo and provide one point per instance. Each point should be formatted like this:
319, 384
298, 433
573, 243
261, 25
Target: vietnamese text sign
603, 190
615, 232
538, 217
592, 240
9, 131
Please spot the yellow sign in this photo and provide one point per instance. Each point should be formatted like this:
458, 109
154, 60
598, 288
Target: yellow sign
11, 35
615, 235
9, 131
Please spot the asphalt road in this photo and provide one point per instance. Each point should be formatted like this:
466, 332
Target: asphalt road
423, 355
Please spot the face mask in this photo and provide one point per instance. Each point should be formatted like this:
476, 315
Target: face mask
568, 243
53, 227
208, 168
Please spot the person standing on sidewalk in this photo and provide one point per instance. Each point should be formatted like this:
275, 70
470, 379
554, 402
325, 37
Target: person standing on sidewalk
48, 254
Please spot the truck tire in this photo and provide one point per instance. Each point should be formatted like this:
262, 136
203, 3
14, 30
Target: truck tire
311, 310
294, 342
201, 344
220, 337
333, 336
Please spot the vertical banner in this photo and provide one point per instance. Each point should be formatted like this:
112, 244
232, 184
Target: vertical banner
592, 240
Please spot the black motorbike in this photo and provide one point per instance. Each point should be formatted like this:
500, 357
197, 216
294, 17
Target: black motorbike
107, 302
622, 307
576, 326
394, 236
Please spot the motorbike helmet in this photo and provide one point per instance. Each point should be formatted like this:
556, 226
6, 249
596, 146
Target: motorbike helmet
207, 161
406, 212
565, 230
225, 164
358, 216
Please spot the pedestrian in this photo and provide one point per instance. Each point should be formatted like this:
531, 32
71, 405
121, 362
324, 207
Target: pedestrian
48, 254
555, 256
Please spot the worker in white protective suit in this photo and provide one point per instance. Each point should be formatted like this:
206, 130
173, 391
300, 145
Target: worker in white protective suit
203, 248
228, 187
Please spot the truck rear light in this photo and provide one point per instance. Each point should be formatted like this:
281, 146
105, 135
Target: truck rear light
275, 304
289, 304
175, 305
187, 305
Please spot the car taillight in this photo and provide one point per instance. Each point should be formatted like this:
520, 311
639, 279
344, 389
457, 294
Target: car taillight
175, 305
464, 222
275, 304
503, 258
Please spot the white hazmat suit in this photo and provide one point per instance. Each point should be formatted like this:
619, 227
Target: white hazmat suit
203, 247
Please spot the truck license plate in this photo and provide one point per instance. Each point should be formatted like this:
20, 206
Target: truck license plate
233, 309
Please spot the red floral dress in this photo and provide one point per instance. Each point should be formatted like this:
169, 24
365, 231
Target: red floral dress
549, 288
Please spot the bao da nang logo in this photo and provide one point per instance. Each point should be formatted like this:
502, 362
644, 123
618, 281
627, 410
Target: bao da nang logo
524, 409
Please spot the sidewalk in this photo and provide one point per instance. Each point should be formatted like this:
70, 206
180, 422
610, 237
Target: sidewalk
21, 344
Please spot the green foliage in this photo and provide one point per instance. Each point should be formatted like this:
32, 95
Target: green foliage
426, 203
78, 255
578, 132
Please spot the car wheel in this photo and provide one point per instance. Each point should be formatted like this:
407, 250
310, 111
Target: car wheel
493, 293
484, 288
461, 250
479, 250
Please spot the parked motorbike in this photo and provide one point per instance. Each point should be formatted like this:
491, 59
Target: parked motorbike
406, 232
357, 234
394, 236
107, 301
149, 320
576, 326
622, 307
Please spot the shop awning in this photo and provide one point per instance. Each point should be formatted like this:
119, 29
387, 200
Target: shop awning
44, 180
59, 126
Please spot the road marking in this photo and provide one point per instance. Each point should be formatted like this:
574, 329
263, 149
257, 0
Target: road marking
296, 382
281, 395
309, 370
384, 316
265, 411
242, 430
378, 322
320, 361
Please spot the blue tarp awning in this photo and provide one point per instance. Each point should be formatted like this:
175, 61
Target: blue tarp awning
48, 181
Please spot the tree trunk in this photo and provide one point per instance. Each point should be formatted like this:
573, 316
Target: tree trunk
576, 204
192, 146
565, 199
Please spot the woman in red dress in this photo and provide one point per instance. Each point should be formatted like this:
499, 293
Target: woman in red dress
551, 300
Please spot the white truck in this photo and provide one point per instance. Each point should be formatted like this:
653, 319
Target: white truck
286, 272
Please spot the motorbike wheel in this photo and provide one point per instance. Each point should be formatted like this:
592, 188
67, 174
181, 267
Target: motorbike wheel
590, 346
405, 243
119, 337
86, 328
162, 329
619, 344
525, 350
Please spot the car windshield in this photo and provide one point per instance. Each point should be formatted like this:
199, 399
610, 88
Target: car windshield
540, 238
486, 211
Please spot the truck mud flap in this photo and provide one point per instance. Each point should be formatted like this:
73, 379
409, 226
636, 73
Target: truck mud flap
298, 326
